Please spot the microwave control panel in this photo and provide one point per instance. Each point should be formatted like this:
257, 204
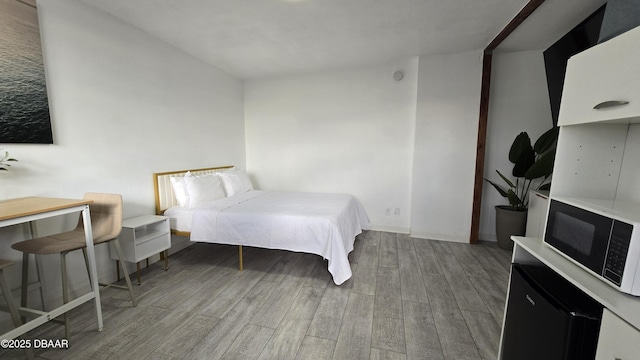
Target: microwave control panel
617, 252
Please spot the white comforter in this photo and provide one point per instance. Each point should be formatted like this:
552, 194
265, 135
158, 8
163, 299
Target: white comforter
322, 224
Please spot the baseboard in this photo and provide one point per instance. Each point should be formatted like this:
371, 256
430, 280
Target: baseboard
422, 234
441, 237
487, 237
391, 229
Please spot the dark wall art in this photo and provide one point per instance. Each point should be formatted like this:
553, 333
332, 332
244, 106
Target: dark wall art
24, 106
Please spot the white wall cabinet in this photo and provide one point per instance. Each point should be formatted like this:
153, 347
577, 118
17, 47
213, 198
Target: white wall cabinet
604, 73
618, 340
597, 155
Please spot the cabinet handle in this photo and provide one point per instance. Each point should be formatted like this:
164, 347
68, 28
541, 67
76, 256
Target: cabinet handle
611, 103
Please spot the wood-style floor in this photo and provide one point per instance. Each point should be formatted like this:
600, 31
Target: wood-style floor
408, 299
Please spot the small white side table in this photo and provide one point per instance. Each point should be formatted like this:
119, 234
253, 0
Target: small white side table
142, 237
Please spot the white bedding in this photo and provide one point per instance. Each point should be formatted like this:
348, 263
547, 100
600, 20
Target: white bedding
180, 218
322, 224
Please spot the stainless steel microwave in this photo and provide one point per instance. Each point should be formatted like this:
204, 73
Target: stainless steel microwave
601, 236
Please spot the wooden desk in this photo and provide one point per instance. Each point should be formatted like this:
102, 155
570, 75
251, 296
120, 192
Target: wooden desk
28, 209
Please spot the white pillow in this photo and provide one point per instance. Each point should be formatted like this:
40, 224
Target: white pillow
179, 191
202, 189
235, 181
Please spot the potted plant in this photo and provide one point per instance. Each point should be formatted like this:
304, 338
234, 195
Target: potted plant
532, 169
4, 161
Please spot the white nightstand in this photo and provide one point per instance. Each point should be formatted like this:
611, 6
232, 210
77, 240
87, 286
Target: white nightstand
142, 237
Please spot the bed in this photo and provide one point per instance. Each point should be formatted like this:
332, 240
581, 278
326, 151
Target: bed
219, 205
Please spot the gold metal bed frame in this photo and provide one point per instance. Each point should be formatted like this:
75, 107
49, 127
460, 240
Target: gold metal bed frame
165, 197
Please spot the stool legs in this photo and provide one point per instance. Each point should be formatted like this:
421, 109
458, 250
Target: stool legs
13, 310
25, 281
65, 294
65, 290
126, 273
119, 264
40, 276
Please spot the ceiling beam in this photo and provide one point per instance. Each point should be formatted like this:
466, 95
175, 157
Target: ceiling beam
527, 10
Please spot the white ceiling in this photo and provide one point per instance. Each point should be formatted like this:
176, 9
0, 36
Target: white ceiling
261, 38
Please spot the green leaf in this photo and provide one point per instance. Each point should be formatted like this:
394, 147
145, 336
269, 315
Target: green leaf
514, 200
521, 144
526, 160
541, 168
501, 191
547, 140
505, 179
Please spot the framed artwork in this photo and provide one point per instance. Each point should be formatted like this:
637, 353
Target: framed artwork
24, 105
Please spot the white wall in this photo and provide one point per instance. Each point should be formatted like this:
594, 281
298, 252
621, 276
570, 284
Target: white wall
123, 105
519, 101
445, 145
347, 131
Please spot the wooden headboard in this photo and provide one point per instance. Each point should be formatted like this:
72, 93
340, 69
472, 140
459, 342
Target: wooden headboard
162, 185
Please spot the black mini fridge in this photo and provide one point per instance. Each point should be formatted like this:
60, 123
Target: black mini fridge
548, 317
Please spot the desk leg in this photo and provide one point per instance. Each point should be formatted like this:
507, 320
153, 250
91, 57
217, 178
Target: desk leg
88, 234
